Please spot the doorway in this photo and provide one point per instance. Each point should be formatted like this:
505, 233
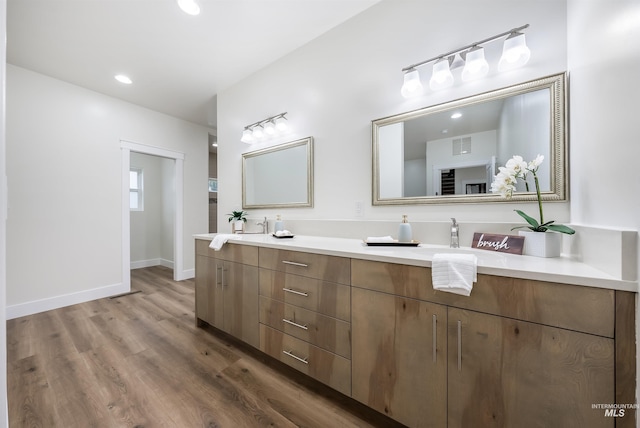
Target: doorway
127, 148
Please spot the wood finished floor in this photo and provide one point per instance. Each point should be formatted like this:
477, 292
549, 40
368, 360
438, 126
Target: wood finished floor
139, 361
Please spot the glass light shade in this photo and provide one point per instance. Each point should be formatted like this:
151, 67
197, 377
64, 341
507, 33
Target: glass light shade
476, 66
281, 124
247, 136
515, 52
412, 85
270, 128
258, 132
189, 7
442, 77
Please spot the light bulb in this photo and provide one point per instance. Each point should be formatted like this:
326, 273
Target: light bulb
247, 136
515, 52
412, 85
442, 77
476, 66
270, 128
281, 124
258, 132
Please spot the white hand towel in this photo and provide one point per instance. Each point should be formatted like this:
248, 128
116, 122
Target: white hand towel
220, 239
380, 239
454, 273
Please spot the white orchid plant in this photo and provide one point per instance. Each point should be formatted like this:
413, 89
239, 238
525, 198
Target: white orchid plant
505, 184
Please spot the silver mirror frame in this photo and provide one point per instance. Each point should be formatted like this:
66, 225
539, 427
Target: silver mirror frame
308, 142
558, 138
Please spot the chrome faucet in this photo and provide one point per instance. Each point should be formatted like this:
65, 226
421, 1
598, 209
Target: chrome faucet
455, 228
265, 226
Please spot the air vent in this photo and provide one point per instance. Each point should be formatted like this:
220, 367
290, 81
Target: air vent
461, 146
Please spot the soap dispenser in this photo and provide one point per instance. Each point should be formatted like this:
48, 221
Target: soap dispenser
279, 224
404, 232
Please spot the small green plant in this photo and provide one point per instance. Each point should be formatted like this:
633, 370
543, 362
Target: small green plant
238, 216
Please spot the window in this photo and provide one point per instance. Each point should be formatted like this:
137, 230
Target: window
136, 200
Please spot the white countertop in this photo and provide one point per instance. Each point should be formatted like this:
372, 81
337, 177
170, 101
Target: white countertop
560, 269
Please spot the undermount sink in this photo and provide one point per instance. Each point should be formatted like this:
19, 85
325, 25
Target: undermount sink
482, 255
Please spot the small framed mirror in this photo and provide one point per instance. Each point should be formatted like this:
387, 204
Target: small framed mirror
450, 152
279, 176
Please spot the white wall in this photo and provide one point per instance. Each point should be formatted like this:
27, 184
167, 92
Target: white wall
152, 229
335, 85
520, 134
483, 147
64, 172
4, 421
604, 60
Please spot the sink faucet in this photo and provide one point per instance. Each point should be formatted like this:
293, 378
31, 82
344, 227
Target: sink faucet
265, 226
455, 228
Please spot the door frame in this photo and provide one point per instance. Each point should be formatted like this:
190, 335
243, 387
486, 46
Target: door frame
178, 228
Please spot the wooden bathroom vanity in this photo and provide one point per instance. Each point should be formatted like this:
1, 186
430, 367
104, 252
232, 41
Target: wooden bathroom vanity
538, 342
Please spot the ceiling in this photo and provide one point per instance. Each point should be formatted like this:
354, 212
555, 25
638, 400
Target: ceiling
178, 63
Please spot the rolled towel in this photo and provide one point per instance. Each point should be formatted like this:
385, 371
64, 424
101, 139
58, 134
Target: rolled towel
454, 273
379, 239
220, 239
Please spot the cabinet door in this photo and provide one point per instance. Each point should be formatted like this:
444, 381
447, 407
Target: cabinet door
398, 357
240, 312
508, 373
205, 288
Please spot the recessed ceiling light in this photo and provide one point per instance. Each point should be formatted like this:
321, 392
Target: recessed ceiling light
123, 79
456, 115
189, 7
444, 131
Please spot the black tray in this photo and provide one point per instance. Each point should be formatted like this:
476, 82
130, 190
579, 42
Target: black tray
282, 236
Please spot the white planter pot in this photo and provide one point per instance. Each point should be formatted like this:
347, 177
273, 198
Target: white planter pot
542, 244
237, 226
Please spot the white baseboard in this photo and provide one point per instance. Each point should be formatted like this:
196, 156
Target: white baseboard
186, 274
36, 306
139, 264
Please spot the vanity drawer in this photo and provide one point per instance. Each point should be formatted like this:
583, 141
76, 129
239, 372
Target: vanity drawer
328, 298
324, 366
327, 268
238, 253
574, 307
326, 332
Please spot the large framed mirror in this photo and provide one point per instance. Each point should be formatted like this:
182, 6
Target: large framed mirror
279, 176
450, 152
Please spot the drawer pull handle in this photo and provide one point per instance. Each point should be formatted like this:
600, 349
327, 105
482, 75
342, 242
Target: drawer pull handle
295, 357
299, 293
295, 324
287, 262
459, 345
435, 335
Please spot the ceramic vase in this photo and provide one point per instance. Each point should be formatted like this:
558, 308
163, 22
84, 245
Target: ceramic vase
541, 244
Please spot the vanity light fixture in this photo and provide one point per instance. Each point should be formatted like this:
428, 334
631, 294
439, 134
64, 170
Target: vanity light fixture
412, 85
515, 53
442, 76
268, 127
476, 66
